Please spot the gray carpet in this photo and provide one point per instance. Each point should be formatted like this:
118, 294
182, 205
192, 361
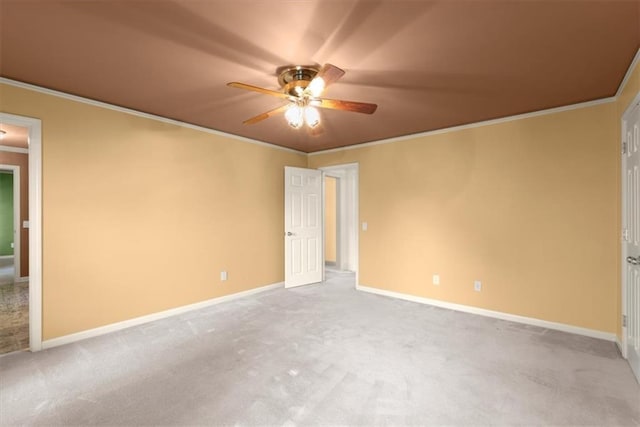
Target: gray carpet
322, 355
7, 271
14, 317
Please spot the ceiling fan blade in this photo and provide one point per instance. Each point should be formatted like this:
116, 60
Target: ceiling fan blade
265, 115
330, 74
327, 75
337, 104
259, 89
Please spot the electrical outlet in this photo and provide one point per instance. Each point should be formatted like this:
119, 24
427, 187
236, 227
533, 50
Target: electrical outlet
477, 286
436, 279
223, 275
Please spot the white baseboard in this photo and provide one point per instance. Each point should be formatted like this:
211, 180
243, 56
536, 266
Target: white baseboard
22, 279
495, 314
113, 327
6, 256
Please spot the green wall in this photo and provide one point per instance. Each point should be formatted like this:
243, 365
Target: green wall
6, 213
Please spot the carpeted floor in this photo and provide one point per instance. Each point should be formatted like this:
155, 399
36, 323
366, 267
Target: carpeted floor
14, 317
323, 354
7, 271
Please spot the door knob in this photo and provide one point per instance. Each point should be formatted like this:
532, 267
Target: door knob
290, 233
634, 261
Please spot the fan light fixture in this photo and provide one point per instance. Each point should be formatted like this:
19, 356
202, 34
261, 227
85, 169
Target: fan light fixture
297, 116
302, 86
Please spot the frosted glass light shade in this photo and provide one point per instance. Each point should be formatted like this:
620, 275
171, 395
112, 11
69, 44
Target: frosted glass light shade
294, 116
316, 87
312, 116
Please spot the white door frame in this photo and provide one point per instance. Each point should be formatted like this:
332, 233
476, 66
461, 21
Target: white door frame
338, 236
15, 170
623, 260
34, 127
347, 246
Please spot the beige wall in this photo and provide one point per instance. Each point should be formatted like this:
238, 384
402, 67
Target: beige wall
141, 216
22, 160
330, 219
529, 207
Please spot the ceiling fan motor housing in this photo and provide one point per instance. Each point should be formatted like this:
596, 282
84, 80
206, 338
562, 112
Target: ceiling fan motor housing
295, 79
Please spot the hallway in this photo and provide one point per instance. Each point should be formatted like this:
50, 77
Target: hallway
14, 311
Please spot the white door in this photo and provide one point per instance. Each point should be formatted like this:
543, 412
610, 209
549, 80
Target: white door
631, 238
303, 240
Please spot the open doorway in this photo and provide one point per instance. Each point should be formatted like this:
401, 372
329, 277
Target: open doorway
21, 146
330, 224
341, 217
14, 238
9, 223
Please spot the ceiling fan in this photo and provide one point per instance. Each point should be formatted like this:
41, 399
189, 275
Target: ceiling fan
303, 86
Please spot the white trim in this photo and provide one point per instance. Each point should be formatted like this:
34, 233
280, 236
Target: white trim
623, 243
113, 327
34, 127
554, 110
10, 149
332, 150
6, 256
17, 223
17, 219
627, 75
141, 114
494, 314
471, 125
339, 238
35, 235
619, 345
348, 219
22, 279
355, 200
324, 225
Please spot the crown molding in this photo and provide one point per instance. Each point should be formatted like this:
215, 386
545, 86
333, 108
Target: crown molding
472, 125
627, 75
58, 94
11, 149
623, 83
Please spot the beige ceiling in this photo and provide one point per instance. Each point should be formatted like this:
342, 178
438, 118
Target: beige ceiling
427, 64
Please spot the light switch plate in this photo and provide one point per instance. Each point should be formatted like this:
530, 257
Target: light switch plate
364, 226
